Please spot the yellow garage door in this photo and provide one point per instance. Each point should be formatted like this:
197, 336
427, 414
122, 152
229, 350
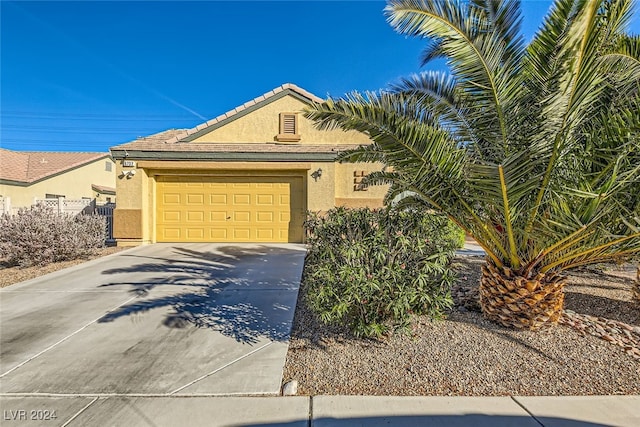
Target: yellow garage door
229, 209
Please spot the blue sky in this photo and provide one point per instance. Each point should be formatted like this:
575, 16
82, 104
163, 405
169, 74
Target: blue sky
84, 76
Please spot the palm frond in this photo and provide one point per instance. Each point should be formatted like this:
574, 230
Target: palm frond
533, 150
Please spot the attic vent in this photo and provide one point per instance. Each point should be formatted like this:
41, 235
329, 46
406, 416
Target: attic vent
289, 124
288, 128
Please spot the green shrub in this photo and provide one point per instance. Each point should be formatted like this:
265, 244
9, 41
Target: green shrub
373, 269
40, 236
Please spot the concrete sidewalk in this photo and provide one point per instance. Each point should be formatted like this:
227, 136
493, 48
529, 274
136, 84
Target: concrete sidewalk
471, 248
322, 411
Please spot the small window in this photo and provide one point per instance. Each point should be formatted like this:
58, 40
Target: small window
53, 196
289, 131
107, 166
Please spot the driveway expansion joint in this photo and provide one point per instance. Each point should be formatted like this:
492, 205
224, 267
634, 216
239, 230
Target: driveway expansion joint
77, 414
66, 338
526, 410
221, 368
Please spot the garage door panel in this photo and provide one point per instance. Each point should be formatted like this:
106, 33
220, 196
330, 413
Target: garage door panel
195, 216
264, 199
228, 209
195, 233
218, 234
218, 216
218, 199
195, 199
242, 234
241, 199
171, 216
265, 233
264, 216
171, 199
241, 216
172, 233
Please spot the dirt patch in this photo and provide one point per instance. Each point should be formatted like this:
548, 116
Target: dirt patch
468, 355
12, 275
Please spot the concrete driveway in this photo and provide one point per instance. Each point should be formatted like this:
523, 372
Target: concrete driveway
164, 319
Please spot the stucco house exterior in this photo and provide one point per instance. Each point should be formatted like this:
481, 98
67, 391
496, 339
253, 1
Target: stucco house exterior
248, 175
26, 175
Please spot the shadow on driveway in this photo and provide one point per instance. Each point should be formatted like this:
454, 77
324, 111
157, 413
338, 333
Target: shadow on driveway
244, 292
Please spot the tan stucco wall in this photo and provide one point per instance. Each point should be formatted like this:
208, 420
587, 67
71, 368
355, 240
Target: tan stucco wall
136, 208
345, 186
73, 184
128, 217
129, 190
263, 124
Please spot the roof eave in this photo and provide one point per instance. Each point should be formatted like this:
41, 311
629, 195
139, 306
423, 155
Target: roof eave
13, 182
221, 156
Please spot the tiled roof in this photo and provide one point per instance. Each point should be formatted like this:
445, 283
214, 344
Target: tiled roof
160, 136
30, 166
268, 147
176, 137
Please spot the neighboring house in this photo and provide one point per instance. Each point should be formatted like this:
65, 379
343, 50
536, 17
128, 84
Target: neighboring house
248, 175
27, 175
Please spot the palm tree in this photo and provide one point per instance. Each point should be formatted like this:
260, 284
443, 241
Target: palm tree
534, 150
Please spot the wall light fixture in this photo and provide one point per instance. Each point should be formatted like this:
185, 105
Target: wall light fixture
317, 174
128, 174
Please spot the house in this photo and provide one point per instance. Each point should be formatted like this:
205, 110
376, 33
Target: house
27, 175
249, 175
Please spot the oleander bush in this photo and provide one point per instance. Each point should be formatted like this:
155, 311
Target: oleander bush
373, 269
39, 235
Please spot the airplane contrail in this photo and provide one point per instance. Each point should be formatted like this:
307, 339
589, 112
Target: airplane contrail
106, 63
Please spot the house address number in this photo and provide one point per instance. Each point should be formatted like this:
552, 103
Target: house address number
128, 163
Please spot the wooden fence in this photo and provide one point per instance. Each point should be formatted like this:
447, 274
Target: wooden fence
107, 212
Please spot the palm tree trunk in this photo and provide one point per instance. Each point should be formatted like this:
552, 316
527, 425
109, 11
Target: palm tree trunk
515, 301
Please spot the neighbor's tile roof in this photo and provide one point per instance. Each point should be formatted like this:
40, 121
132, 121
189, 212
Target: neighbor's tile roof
103, 189
172, 139
31, 166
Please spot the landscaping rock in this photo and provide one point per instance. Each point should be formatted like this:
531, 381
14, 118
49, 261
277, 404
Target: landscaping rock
467, 355
290, 388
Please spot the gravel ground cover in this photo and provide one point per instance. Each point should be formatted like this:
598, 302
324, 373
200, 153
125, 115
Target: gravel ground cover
595, 350
11, 275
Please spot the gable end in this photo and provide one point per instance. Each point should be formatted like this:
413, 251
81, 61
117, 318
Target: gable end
248, 110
